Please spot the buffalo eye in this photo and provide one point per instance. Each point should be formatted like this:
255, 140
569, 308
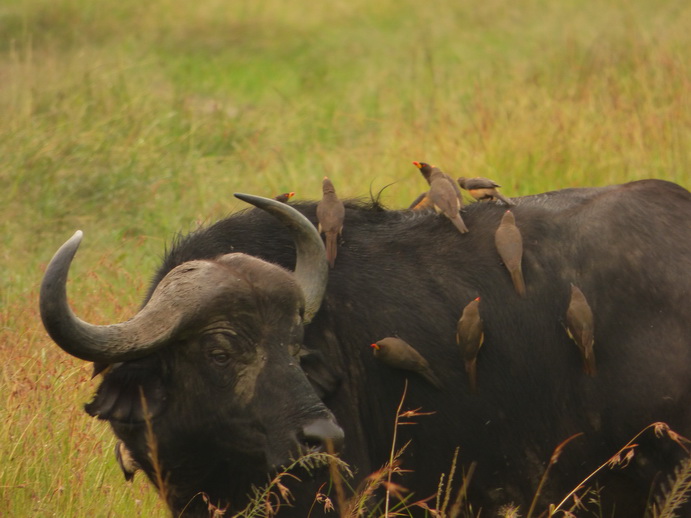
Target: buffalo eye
220, 357
225, 347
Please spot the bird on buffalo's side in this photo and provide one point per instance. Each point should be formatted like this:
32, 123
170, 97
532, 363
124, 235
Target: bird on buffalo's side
399, 354
483, 189
580, 325
283, 198
509, 244
443, 194
127, 464
330, 215
469, 336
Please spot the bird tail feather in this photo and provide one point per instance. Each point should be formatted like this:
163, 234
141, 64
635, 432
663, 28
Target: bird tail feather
460, 225
331, 248
505, 200
518, 282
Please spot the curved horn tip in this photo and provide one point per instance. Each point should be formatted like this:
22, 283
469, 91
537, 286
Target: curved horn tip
311, 268
76, 237
248, 198
69, 247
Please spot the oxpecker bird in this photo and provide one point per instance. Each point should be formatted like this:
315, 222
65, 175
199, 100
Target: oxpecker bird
399, 354
509, 243
444, 194
284, 197
330, 215
483, 189
580, 325
427, 171
127, 464
469, 336
422, 202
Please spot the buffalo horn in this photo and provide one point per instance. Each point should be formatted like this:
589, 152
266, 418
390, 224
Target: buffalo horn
311, 268
177, 299
147, 331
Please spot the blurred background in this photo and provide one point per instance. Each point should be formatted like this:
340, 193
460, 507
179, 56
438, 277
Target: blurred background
136, 120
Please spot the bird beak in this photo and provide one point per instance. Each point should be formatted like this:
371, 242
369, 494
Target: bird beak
374, 346
417, 164
291, 194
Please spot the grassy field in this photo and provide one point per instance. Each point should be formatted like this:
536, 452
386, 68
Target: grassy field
134, 120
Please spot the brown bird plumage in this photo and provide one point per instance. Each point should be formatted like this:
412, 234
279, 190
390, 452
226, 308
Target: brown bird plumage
444, 194
580, 325
330, 215
427, 171
127, 464
284, 197
422, 202
469, 336
483, 189
399, 354
509, 243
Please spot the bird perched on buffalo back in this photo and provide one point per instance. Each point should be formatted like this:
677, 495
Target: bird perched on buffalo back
422, 202
509, 243
399, 354
444, 194
580, 325
283, 198
427, 171
470, 336
330, 215
483, 189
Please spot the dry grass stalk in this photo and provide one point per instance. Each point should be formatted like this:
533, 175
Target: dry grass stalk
620, 459
447, 493
337, 481
267, 500
552, 461
455, 510
677, 493
152, 447
394, 455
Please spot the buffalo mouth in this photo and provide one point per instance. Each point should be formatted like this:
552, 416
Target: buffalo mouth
321, 435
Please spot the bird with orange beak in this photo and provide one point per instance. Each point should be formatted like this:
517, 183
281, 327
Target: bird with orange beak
399, 354
283, 198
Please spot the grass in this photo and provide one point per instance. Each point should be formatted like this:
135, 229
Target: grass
134, 120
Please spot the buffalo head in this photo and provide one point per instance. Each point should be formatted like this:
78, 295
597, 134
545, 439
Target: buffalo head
204, 384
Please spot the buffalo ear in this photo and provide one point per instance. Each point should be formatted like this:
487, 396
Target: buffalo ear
324, 380
119, 397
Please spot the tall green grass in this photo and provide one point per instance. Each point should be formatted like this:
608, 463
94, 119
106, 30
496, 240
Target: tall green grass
132, 120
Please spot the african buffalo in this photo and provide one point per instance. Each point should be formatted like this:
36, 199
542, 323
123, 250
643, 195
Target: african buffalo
244, 354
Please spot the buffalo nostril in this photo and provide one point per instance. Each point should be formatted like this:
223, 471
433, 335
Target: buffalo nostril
323, 435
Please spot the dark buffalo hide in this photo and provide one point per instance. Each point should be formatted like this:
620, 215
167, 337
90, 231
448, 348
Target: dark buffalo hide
409, 274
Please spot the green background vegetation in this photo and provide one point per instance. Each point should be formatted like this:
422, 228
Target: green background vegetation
133, 120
